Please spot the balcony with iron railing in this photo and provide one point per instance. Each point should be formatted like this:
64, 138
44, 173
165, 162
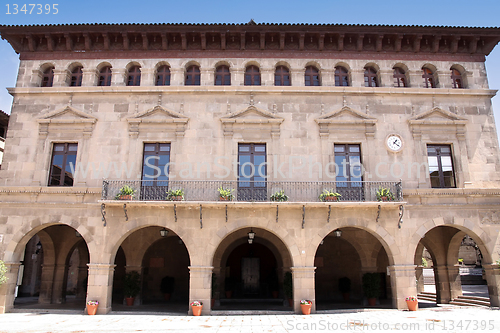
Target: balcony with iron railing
251, 191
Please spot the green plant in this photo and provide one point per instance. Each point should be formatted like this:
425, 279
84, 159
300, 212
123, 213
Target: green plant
167, 285
173, 194
288, 285
371, 285
225, 193
3, 272
345, 285
131, 284
125, 190
279, 196
460, 260
327, 193
424, 262
383, 192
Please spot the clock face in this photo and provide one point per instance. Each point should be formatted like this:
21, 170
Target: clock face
394, 143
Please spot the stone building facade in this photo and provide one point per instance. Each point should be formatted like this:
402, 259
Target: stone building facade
298, 108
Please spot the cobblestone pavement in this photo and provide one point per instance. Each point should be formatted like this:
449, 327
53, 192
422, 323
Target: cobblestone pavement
438, 319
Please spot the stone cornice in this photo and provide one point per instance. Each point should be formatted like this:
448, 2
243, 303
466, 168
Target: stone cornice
50, 190
449, 192
91, 38
293, 90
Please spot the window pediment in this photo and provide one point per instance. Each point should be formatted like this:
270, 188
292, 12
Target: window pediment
66, 119
246, 119
439, 121
346, 118
158, 119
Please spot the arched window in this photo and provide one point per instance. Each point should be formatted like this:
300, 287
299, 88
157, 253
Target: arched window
428, 77
252, 76
371, 77
48, 77
104, 76
192, 76
456, 79
399, 77
312, 76
134, 76
341, 77
76, 77
282, 76
163, 76
222, 76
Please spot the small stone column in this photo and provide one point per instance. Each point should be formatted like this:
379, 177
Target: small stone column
297, 77
177, 76
46, 284
237, 76
386, 78
36, 78
58, 286
207, 78
200, 283
267, 76
402, 284
443, 294
455, 281
415, 78
327, 77
90, 77
492, 273
147, 77
100, 285
8, 289
419, 272
357, 77
118, 79
60, 78
303, 287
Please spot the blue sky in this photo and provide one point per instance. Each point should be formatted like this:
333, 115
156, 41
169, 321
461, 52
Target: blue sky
484, 13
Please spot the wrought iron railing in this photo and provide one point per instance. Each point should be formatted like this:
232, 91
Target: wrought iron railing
207, 190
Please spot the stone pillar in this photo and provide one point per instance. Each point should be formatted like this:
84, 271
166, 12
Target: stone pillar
36, 78
492, 273
237, 76
81, 287
200, 281
59, 284
327, 77
443, 79
207, 78
402, 284
267, 76
46, 284
415, 78
60, 78
147, 77
303, 287
8, 289
386, 78
118, 78
176, 76
100, 285
357, 77
297, 77
419, 272
455, 281
90, 77
443, 294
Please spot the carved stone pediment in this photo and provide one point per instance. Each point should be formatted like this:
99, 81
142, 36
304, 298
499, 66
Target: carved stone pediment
438, 120
66, 119
158, 119
344, 119
249, 119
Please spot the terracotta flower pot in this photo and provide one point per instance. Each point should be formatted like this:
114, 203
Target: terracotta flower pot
331, 198
384, 198
130, 301
372, 301
224, 198
412, 305
290, 302
306, 309
92, 309
177, 198
125, 197
196, 310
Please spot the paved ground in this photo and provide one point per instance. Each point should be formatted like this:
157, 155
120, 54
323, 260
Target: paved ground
437, 319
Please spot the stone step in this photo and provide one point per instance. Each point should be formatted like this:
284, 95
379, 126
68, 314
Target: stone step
466, 303
249, 312
475, 298
426, 296
472, 301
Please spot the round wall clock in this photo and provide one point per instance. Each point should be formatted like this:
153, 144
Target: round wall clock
394, 143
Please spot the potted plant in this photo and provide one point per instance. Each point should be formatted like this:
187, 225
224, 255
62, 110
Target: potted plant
126, 193
197, 306
305, 306
92, 307
131, 286
3, 272
279, 196
412, 303
371, 287
329, 196
288, 287
225, 194
214, 288
175, 195
384, 194
345, 287
167, 287
229, 286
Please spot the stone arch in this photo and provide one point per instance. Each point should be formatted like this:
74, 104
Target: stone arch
134, 63
251, 62
188, 63
72, 65
162, 63
315, 64
225, 62
283, 63
103, 64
